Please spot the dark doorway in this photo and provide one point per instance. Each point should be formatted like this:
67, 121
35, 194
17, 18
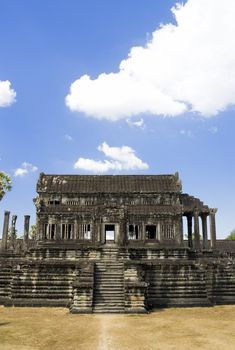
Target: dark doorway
109, 232
150, 232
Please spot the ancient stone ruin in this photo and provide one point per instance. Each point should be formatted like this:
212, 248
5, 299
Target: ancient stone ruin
116, 244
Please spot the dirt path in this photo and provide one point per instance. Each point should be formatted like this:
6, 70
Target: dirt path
168, 329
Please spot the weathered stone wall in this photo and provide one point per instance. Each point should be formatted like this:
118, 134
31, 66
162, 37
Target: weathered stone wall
56, 276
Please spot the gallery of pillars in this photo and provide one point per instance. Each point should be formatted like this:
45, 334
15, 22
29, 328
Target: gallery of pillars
12, 236
196, 240
193, 229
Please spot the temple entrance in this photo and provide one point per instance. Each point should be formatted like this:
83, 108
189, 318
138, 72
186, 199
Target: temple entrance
110, 233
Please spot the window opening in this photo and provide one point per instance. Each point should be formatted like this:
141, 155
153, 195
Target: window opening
150, 231
52, 231
86, 231
110, 232
133, 232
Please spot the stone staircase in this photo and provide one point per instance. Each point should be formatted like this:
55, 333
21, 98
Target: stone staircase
108, 294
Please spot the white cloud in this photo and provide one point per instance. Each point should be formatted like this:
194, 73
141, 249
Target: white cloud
189, 66
121, 158
7, 95
138, 123
68, 137
187, 133
213, 130
25, 169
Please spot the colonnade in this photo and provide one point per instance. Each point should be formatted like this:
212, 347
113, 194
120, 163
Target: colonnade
192, 222
12, 237
194, 237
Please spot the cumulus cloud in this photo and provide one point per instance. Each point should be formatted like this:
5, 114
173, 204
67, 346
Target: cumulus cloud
119, 158
68, 137
187, 66
25, 169
213, 130
137, 123
187, 133
7, 95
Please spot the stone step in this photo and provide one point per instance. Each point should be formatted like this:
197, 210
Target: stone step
42, 291
109, 272
104, 310
108, 301
108, 265
64, 302
113, 292
42, 283
108, 281
41, 295
106, 285
178, 293
117, 293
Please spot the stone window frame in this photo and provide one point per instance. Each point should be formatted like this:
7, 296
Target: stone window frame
136, 232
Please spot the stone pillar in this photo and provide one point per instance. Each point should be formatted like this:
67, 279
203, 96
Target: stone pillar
5, 230
75, 229
144, 234
26, 231
99, 225
204, 231
190, 230
58, 231
81, 229
41, 228
213, 228
102, 233
179, 227
13, 227
196, 230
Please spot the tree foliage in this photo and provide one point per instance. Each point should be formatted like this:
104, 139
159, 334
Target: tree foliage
33, 231
5, 184
231, 236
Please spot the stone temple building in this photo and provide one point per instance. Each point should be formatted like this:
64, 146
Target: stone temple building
116, 243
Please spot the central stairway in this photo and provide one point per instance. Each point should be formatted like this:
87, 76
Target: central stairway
109, 283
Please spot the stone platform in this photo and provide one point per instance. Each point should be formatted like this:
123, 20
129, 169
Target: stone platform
115, 279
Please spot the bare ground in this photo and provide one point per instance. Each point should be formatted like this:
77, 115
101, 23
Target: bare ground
166, 329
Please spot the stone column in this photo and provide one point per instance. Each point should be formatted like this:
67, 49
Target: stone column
144, 234
13, 227
75, 229
99, 231
47, 235
213, 228
26, 231
178, 229
41, 228
5, 230
190, 230
204, 231
121, 233
81, 229
196, 230
58, 231
102, 233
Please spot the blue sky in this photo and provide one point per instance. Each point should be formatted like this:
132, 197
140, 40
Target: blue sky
48, 45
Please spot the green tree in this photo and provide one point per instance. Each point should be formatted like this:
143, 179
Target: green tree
5, 184
33, 231
231, 236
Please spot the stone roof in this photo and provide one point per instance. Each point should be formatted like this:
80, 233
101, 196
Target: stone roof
108, 183
225, 245
190, 202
